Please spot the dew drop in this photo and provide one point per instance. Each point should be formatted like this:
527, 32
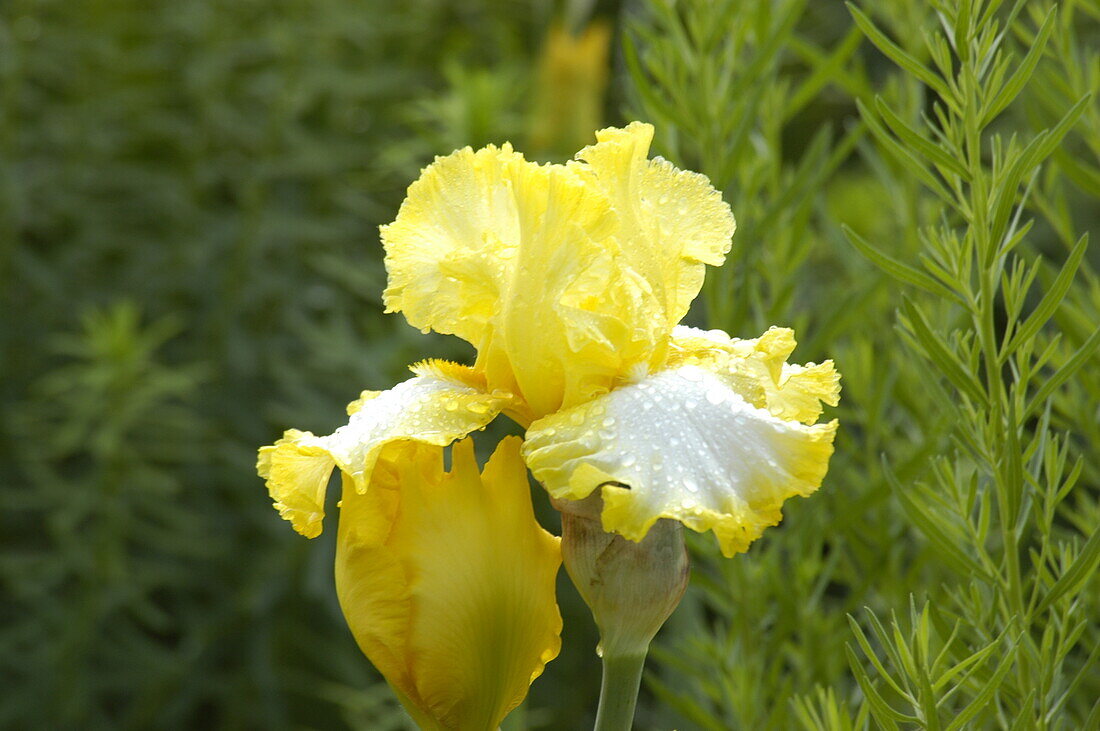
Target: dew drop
715, 396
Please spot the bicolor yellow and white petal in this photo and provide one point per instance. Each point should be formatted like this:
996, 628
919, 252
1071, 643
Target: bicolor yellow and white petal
672, 222
436, 407
758, 370
447, 582
680, 444
523, 261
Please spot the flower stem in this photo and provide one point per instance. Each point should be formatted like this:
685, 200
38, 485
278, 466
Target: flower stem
622, 676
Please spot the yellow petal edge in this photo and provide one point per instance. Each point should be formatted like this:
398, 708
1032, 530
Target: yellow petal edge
447, 582
436, 407
694, 444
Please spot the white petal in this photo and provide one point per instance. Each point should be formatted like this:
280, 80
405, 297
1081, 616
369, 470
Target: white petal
428, 408
680, 444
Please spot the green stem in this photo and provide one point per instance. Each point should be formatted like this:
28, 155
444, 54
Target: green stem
622, 676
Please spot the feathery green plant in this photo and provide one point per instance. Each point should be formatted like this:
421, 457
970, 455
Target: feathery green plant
1014, 624
976, 444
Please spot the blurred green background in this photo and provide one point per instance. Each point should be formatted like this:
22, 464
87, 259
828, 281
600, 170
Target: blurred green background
189, 262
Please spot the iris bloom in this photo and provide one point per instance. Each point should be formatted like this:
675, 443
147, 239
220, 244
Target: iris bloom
570, 281
569, 91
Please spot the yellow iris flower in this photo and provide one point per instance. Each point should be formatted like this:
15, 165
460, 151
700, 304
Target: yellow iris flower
569, 93
570, 281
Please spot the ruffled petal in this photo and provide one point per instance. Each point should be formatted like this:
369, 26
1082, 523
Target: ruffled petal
680, 444
448, 582
436, 407
522, 261
672, 222
758, 370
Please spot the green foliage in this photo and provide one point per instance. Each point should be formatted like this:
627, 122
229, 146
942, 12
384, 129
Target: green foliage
964, 464
189, 196
188, 262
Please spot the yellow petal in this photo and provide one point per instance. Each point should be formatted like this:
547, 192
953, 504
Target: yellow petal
672, 222
447, 582
680, 444
433, 408
758, 371
522, 261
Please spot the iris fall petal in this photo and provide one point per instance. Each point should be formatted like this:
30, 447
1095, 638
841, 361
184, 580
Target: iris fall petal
680, 444
447, 582
436, 407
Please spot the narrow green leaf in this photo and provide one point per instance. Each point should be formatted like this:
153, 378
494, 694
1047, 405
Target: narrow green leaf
985, 695
1082, 674
898, 270
1025, 721
641, 83
1086, 176
1051, 300
1039, 149
960, 375
927, 698
880, 709
1083, 567
904, 155
1019, 79
961, 31
925, 146
683, 704
865, 645
932, 529
898, 55
1077, 360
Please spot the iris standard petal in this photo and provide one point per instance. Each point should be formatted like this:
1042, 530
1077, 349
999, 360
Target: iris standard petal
447, 582
680, 444
441, 404
603, 256
523, 261
671, 222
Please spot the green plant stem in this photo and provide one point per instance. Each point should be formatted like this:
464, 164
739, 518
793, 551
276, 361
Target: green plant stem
622, 676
